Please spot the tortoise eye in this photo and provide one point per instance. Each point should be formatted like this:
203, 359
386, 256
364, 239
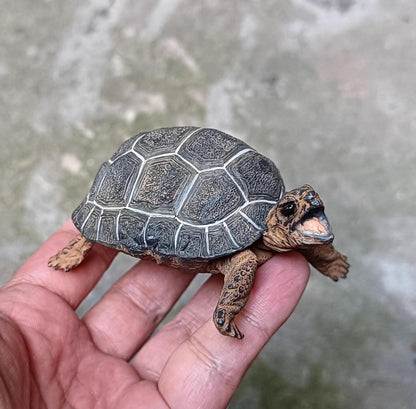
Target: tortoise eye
288, 209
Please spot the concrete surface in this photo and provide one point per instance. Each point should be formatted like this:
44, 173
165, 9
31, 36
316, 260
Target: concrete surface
326, 88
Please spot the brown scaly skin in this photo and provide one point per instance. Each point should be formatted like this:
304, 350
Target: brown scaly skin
327, 260
239, 271
72, 255
296, 222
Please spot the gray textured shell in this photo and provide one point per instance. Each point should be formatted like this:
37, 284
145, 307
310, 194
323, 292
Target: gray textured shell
183, 192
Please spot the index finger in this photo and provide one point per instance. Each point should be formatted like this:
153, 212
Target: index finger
72, 286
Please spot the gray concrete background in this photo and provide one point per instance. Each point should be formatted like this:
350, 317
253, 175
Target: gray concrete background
325, 88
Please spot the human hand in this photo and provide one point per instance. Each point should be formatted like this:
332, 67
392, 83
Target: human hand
50, 358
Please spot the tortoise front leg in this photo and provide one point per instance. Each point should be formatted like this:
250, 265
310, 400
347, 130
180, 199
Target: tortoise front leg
71, 255
239, 272
327, 260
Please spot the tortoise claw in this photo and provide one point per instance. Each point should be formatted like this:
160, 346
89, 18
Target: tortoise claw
227, 326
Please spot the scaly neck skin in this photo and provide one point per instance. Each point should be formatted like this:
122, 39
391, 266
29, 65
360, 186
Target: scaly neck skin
319, 256
278, 240
323, 257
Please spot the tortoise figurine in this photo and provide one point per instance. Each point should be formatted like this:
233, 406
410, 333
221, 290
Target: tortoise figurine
201, 200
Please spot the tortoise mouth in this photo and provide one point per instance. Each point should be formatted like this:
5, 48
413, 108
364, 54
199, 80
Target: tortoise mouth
314, 224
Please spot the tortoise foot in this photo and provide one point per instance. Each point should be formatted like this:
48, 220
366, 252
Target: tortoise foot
226, 325
338, 268
327, 260
71, 255
60, 262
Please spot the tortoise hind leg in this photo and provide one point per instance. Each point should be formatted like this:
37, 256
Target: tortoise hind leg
239, 272
71, 255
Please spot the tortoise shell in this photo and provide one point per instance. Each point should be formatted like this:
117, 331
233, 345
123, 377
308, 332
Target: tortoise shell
183, 192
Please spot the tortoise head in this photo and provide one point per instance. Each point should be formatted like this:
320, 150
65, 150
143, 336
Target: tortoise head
297, 221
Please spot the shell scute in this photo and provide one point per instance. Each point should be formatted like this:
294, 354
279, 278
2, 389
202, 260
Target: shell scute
92, 223
219, 239
115, 185
191, 242
108, 228
213, 197
126, 146
210, 148
161, 184
259, 176
130, 232
162, 141
102, 172
80, 214
160, 235
258, 212
241, 229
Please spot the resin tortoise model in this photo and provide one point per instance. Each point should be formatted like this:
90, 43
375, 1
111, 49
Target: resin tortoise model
202, 200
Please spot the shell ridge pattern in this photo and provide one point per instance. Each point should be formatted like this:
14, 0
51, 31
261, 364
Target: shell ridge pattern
189, 187
175, 215
98, 187
186, 139
207, 240
135, 183
178, 230
171, 216
185, 195
187, 162
238, 154
273, 202
250, 220
117, 226
238, 185
145, 231
137, 141
227, 229
88, 216
97, 233
140, 170
134, 153
124, 154
131, 150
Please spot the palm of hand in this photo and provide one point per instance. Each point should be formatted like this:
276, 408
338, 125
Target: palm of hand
65, 366
53, 359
